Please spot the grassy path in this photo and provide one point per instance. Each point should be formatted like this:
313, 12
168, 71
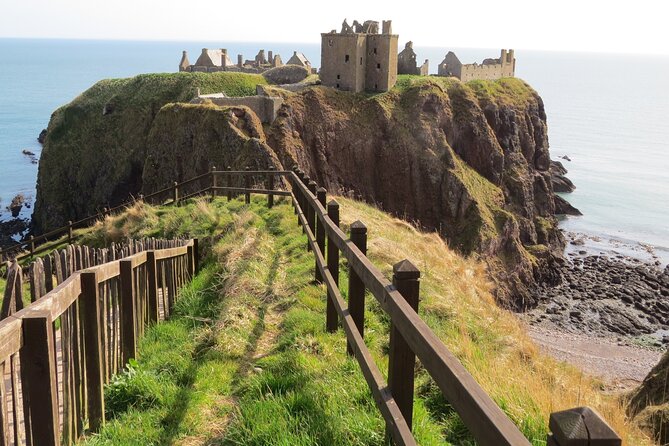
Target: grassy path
245, 360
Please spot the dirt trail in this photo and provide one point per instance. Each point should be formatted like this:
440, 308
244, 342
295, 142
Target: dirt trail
622, 367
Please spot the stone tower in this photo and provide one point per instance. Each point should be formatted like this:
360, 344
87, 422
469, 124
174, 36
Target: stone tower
184, 65
359, 57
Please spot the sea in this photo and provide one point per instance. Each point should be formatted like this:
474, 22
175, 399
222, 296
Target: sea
608, 118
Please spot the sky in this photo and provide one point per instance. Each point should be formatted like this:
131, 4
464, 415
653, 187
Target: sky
568, 25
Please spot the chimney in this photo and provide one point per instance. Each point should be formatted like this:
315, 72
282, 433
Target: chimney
270, 56
224, 58
240, 62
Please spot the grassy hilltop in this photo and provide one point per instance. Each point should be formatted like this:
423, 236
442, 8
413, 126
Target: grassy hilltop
246, 360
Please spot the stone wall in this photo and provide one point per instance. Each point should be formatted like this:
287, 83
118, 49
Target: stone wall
343, 61
490, 69
265, 107
359, 58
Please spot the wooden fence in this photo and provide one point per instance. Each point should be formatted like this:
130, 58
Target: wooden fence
215, 182
58, 352
410, 337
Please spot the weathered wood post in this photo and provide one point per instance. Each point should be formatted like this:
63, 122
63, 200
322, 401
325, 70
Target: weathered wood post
38, 373
175, 193
270, 187
70, 235
32, 246
401, 359
247, 186
128, 316
152, 279
311, 212
356, 287
196, 259
293, 186
331, 319
93, 349
213, 182
304, 204
229, 183
320, 232
580, 426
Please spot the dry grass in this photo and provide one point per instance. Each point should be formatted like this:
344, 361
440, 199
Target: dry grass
492, 343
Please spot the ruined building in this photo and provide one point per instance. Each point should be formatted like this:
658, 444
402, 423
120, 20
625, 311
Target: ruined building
218, 60
299, 59
406, 62
359, 58
505, 66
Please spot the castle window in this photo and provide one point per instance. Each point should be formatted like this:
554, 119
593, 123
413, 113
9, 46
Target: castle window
338, 76
378, 66
330, 42
376, 86
337, 85
361, 61
346, 58
374, 50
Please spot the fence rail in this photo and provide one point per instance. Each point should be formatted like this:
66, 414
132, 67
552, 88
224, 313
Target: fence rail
57, 353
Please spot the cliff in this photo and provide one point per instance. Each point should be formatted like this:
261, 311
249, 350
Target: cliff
95, 148
469, 160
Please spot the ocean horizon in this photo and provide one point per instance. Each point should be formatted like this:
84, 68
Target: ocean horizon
606, 117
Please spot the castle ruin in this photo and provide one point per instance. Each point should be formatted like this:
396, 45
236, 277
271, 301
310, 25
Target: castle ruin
359, 58
213, 60
490, 69
406, 62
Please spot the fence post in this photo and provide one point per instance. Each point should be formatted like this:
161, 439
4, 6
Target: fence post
291, 180
69, 231
93, 349
38, 373
247, 186
152, 279
401, 359
128, 316
356, 288
213, 182
331, 319
270, 186
303, 204
228, 183
175, 190
311, 212
32, 246
582, 425
320, 232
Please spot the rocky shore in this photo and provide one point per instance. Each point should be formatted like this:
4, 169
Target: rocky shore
620, 297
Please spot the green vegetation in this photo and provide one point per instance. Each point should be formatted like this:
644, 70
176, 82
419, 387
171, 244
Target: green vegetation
246, 360
99, 140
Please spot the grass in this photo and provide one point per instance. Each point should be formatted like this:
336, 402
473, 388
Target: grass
246, 359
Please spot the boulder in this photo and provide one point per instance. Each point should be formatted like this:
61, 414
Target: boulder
562, 207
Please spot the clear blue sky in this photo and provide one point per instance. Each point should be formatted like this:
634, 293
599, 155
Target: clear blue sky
590, 25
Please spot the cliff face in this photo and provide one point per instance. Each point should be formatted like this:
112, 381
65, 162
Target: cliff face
95, 147
468, 160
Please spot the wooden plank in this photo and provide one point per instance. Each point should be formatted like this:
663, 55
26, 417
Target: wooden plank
152, 286
93, 357
48, 273
170, 252
18, 402
356, 288
331, 318
401, 360
128, 335
38, 373
5, 438
11, 337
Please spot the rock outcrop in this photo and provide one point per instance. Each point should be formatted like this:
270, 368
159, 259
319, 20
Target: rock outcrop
468, 160
649, 403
